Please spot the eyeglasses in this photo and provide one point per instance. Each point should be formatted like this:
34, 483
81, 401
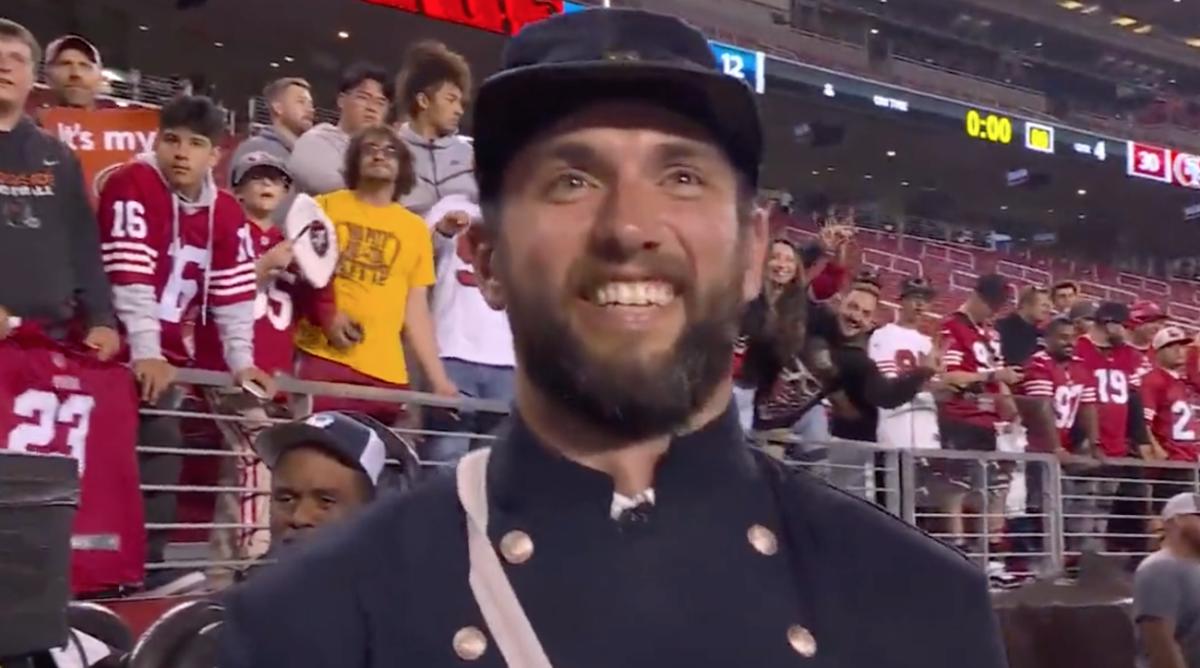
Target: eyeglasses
386, 150
374, 100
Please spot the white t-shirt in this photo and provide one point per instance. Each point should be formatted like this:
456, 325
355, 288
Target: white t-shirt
896, 349
467, 328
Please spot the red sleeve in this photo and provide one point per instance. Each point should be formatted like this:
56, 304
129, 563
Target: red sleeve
317, 305
827, 283
1037, 380
1151, 391
231, 277
1089, 383
1193, 367
130, 238
956, 353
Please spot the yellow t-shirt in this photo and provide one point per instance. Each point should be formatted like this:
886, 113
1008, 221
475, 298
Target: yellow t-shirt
384, 252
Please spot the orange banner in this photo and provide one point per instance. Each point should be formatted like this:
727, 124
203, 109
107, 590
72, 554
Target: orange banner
103, 139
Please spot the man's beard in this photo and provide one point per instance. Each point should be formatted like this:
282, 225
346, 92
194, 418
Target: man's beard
628, 400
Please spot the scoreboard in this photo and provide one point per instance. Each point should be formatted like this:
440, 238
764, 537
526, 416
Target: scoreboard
975, 123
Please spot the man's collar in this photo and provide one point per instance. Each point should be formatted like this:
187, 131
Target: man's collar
525, 474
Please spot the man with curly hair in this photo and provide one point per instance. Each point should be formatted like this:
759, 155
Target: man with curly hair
431, 91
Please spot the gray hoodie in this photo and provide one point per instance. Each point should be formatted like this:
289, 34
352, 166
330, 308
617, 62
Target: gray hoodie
318, 158
443, 166
267, 139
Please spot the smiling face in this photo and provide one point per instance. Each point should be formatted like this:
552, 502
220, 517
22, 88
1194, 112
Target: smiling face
856, 313
624, 259
781, 263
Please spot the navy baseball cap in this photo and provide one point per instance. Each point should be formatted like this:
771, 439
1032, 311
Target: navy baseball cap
555, 67
358, 441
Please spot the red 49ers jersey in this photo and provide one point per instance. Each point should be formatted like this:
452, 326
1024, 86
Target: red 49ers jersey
275, 312
57, 401
148, 236
1064, 384
1112, 375
974, 348
1167, 403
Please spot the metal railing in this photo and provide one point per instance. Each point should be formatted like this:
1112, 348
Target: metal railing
1025, 513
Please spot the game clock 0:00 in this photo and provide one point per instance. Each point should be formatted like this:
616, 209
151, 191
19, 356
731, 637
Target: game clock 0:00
992, 127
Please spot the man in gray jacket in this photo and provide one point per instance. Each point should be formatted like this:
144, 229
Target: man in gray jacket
432, 88
317, 159
290, 103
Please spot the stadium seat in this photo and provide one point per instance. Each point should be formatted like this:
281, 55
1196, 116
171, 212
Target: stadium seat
169, 638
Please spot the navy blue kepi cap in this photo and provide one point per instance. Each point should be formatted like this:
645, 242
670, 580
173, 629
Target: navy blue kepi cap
554, 67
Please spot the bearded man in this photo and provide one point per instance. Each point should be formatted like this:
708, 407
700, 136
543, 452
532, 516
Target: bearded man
621, 520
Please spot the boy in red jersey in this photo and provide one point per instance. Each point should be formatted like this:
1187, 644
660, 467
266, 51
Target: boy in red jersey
1167, 407
171, 247
261, 182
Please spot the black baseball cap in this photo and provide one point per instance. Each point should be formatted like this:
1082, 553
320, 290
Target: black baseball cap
993, 290
1082, 310
1108, 312
554, 67
915, 286
358, 441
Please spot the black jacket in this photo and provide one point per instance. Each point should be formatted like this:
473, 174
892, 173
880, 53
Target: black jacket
1019, 339
50, 266
685, 587
859, 379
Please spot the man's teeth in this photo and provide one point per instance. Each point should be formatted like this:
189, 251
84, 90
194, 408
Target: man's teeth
634, 293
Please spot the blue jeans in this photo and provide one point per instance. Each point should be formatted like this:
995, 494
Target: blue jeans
481, 381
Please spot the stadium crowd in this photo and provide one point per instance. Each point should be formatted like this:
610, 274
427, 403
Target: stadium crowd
343, 253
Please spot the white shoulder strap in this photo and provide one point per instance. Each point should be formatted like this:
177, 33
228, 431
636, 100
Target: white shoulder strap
502, 612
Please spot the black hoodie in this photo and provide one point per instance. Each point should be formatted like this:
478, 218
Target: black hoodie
50, 267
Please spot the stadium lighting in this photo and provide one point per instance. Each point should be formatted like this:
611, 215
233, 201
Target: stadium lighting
1081, 192
143, 27
342, 34
289, 59
1124, 21
218, 44
816, 172
868, 177
905, 184
891, 154
274, 64
874, 31
1037, 44
1004, 207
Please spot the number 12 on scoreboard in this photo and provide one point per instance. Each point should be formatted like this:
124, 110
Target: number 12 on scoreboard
749, 66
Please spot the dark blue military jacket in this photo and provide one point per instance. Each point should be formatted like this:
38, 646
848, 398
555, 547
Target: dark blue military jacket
741, 563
